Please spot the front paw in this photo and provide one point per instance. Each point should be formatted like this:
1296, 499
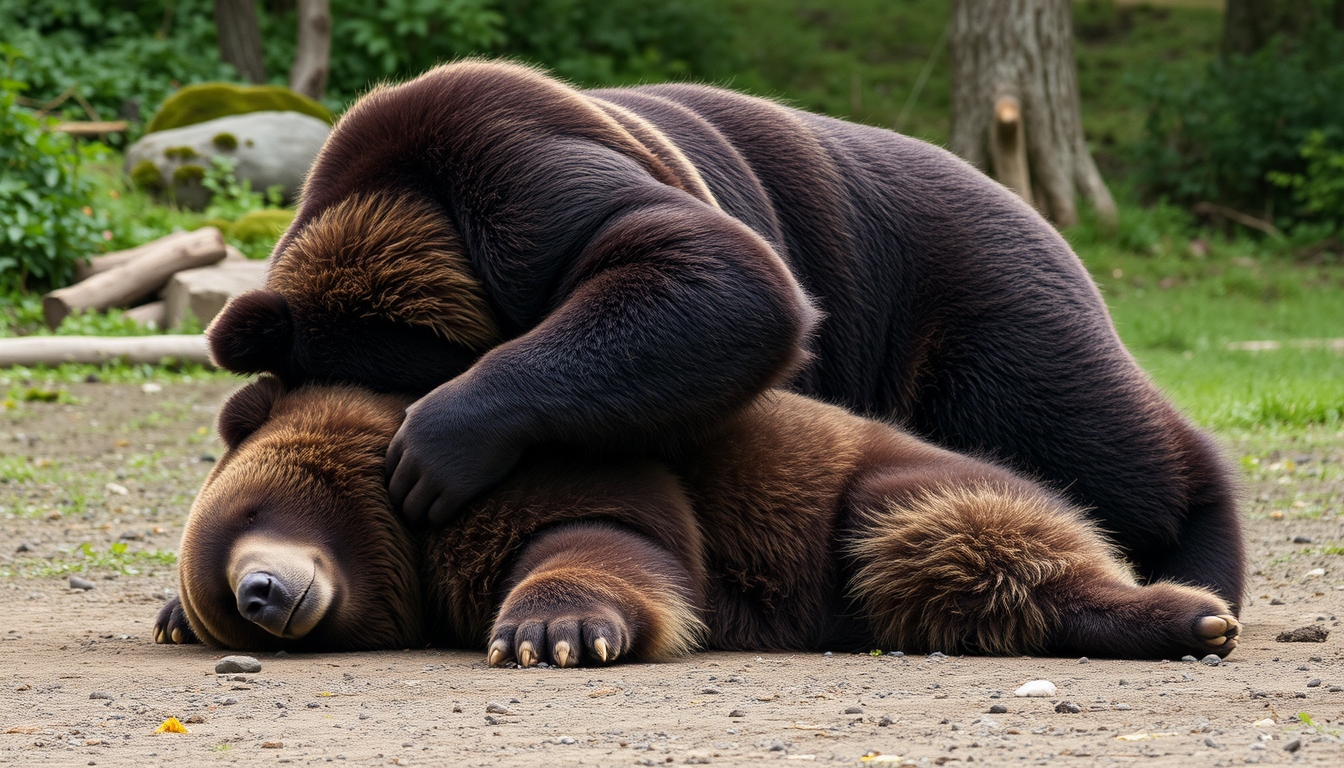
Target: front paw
171, 625
1217, 634
546, 624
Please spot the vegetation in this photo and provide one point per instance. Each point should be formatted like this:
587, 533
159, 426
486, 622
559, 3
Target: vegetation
209, 101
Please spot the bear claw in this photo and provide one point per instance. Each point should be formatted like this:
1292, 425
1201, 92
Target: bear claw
600, 647
526, 656
497, 653
561, 654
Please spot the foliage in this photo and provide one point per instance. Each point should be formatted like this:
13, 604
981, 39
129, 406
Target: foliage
123, 56
85, 558
610, 42
401, 38
1220, 137
230, 197
209, 101
1319, 191
47, 222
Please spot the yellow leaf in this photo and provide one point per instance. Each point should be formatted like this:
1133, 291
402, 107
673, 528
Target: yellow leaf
171, 725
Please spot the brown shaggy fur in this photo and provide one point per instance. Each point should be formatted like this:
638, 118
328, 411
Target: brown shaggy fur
795, 525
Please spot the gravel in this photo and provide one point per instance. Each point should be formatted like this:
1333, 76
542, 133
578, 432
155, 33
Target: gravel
233, 664
78, 583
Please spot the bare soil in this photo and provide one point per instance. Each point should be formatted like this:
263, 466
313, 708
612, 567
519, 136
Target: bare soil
81, 682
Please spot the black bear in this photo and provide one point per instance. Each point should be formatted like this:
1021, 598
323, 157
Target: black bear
624, 267
791, 525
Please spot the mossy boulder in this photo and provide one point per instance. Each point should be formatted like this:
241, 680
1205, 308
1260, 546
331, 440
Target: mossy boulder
265, 148
209, 101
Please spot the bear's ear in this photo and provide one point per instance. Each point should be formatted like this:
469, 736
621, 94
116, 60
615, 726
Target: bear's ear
247, 409
252, 334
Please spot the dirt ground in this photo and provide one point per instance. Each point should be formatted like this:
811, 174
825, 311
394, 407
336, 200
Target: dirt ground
114, 467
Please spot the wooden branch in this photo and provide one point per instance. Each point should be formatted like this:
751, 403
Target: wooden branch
1008, 147
54, 350
137, 279
1207, 208
89, 128
108, 261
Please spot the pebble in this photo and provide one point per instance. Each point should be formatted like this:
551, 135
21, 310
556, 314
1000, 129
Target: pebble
1037, 689
711, 690
885, 721
896, 653
1189, 658
365, 716
232, 664
1314, 682
207, 458
1068, 708
1293, 745
1123, 707
568, 740
492, 720
314, 705
853, 710
1301, 539
496, 708
1277, 601
937, 655
23, 547
229, 701
998, 709
828, 653
1211, 744
737, 713
1211, 660
78, 583
1083, 660
1315, 573
106, 695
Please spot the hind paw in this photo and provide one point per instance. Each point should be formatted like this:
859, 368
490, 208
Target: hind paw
1217, 634
559, 622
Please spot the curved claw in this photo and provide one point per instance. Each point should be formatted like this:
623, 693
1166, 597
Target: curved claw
495, 656
600, 646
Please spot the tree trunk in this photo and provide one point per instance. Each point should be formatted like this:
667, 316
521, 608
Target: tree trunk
1006, 51
240, 37
1248, 25
311, 61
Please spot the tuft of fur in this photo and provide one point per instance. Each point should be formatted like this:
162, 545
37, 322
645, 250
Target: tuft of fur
391, 257
968, 568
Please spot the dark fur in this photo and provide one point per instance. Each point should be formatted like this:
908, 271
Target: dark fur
793, 525
639, 252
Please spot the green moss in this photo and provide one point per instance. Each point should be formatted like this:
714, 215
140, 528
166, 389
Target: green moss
225, 142
145, 175
207, 101
267, 224
188, 174
180, 153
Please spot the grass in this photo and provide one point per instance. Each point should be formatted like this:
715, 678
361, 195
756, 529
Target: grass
82, 559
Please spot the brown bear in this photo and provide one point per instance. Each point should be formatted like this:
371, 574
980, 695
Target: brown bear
791, 525
622, 268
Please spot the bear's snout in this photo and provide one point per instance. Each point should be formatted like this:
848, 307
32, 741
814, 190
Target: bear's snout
268, 601
281, 586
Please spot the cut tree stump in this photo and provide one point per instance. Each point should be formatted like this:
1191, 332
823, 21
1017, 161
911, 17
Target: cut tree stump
139, 277
203, 292
54, 350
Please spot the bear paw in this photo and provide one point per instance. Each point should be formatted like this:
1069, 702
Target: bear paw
1217, 634
564, 637
171, 626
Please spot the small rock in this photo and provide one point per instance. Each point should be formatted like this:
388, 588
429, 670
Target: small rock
853, 710
1308, 634
1334, 689
896, 653
737, 713
281, 654
116, 488
23, 547
998, 709
828, 653
366, 716
1314, 573
492, 720
1212, 660
1211, 744
1083, 660
1189, 659
78, 583
711, 690
195, 720
229, 702
1123, 707
100, 695
272, 744
150, 387
568, 740
314, 705
1301, 539
1068, 708
885, 721
207, 458
1293, 745
457, 707
1277, 601
496, 708
937, 655
1314, 682
1037, 689
232, 664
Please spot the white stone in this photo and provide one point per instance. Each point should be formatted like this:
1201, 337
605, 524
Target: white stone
272, 148
203, 292
1316, 573
1036, 689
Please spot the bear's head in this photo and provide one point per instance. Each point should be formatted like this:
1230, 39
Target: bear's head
292, 542
376, 290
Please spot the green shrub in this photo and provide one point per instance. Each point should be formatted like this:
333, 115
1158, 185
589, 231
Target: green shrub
46, 218
260, 226
1319, 191
1221, 136
208, 101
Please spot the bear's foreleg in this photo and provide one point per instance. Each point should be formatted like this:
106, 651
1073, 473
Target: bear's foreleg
594, 593
171, 626
1006, 569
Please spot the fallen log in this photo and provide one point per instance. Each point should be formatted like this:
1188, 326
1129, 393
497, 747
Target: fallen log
137, 277
147, 314
54, 350
104, 262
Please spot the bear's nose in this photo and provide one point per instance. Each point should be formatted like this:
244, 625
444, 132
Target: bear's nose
263, 599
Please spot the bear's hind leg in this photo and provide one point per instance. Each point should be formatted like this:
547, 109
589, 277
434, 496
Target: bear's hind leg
1005, 568
593, 593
